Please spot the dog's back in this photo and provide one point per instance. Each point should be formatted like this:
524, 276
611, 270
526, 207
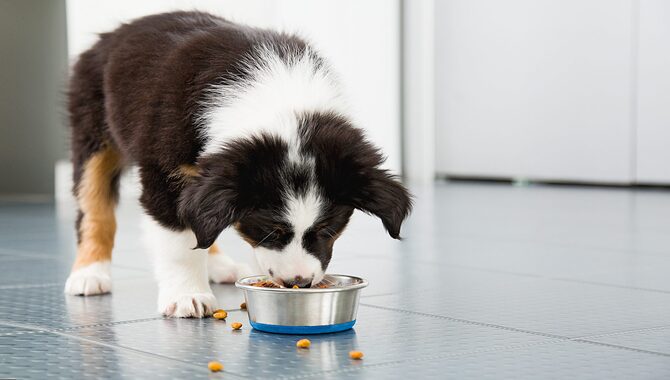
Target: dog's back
136, 95
142, 84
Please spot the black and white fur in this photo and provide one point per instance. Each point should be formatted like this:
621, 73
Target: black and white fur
260, 118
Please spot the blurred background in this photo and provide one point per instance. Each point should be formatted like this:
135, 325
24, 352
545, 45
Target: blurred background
573, 91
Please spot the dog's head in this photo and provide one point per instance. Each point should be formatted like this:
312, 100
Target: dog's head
292, 199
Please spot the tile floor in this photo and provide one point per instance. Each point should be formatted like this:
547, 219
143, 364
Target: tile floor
492, 281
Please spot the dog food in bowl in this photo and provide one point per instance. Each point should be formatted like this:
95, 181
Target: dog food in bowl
265, 284
270, 284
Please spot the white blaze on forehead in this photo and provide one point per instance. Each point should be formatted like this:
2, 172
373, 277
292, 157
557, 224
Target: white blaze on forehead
268, 99
302, 211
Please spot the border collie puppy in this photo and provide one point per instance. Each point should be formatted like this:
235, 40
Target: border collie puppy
230, 126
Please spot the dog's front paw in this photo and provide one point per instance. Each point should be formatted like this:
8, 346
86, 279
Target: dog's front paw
190, 305
90, 280
222, 269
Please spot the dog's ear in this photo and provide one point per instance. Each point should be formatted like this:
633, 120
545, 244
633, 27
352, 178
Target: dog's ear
207, 206
348, 168
385, 197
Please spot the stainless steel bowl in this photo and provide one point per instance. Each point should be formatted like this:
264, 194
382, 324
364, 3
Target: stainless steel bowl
303, 311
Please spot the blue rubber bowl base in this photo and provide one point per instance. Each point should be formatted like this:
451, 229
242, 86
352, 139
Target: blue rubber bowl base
301, 330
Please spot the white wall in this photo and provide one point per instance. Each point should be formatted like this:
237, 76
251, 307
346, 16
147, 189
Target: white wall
653, 111
33, 65
539, 89
360, 37
419, 91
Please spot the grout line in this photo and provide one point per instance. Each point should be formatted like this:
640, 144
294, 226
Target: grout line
127, 322
657, 353
604, 284
466, 321
20, 333
624, 332
24, 326
106, 324
71, 328
28, 286
109, 324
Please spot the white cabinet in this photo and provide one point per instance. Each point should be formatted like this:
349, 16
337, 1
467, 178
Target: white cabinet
653, 111
546, 89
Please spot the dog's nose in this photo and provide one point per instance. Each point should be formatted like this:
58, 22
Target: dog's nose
299, 281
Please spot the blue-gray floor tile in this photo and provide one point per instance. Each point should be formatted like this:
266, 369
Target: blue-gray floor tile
490, 281
383, 335
45, 355
555, 360
560, 308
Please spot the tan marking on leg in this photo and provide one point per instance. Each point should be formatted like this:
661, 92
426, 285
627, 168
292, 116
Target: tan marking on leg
214, 249
97, 201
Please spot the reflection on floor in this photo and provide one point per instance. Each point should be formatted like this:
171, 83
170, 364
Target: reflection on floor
491, 281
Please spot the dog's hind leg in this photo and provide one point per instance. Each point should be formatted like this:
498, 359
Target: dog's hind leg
97, 167
222, 269
97, 193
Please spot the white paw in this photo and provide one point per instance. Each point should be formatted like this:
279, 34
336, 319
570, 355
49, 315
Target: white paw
90, 280
196, 305
222, 269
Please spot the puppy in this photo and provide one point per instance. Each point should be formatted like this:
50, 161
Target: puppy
230, 126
